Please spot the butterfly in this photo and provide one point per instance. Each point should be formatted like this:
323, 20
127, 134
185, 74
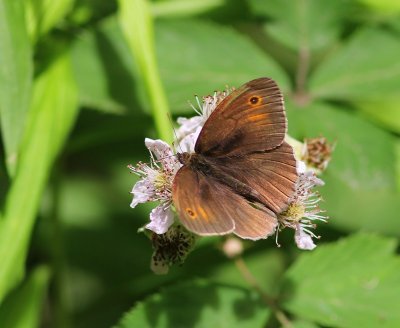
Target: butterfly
242, 172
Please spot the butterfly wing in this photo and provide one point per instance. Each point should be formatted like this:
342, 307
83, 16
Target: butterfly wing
251, 118
271, 174
208, 207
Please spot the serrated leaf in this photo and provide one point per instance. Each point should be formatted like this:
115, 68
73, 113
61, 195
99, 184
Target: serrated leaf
23, 308
350, 283
311, 24
365, 68
208, 57
198, 304
15, 77
360, 190
51, 117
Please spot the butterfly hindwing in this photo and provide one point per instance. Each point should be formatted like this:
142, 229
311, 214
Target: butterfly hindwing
272, 174
208, 207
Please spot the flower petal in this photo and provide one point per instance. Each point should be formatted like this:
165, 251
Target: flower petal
142, 191
303, 240
161, 218
187, 143
188, 125
164, 153
301, 167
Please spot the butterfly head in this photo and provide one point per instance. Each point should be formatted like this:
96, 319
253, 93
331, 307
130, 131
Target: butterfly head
184, 158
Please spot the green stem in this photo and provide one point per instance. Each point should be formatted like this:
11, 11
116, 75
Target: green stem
269, 301
137, 26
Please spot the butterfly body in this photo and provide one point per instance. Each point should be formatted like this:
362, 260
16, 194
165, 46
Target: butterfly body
242, 172
211, 168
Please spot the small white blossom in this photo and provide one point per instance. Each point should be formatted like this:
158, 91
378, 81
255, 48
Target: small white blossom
161, 218
303, 240
303, 210
156, 183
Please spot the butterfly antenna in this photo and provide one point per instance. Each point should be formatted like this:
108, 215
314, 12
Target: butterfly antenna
175, 134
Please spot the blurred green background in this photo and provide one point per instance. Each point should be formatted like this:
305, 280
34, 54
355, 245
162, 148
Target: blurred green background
83, 82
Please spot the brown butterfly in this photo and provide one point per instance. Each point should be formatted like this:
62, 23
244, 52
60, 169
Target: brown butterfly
242, 172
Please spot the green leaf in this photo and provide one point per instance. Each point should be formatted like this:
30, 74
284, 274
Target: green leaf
397, 152
43, 15
360, 190
365, 68
51, 117
196, 62
311, 24
350, 283
15, 77
384, 111
104, 69
177, 8
107, 78
198, 304
267, 266
383, 6
23, 308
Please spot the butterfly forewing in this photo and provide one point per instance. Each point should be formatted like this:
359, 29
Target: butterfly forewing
208, 207
251, 118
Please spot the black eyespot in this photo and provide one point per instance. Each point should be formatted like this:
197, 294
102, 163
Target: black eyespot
254, 100
190, 212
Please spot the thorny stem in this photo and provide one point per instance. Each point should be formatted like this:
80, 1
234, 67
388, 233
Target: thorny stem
269, 301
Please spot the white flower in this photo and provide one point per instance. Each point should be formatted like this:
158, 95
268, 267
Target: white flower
161, 218
303, 210
156, 184
303, 240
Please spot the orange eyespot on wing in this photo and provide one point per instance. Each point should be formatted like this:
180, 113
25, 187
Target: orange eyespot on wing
207, 207
252, 118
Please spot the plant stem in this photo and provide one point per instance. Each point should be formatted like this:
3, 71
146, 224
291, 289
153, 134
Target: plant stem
303, 67
137, 26
269, 301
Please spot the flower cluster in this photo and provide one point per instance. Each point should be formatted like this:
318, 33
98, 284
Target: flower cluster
171, 242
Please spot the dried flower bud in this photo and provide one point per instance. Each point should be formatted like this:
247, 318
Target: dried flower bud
317, 153
170, 248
